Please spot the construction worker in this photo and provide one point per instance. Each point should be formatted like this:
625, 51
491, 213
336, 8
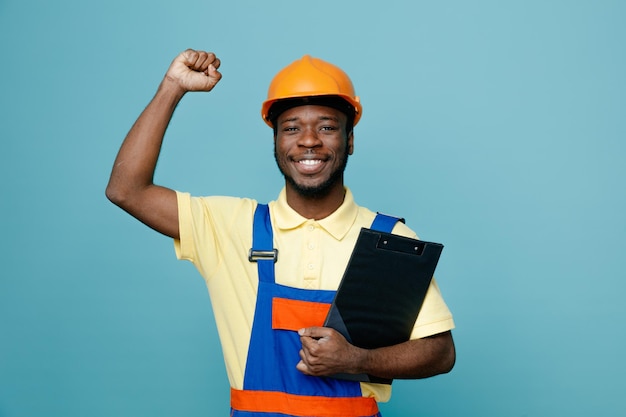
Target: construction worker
269, 312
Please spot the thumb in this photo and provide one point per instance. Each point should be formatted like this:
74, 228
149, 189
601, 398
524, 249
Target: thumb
314, 332
213, 74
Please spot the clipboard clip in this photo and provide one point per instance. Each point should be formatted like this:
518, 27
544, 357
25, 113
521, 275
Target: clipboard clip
407, 246
263, 255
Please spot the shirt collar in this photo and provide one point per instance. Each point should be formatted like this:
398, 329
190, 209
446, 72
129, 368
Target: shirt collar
337, 224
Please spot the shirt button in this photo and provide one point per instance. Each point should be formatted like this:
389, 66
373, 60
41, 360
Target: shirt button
311, 266
311, 227
311, 246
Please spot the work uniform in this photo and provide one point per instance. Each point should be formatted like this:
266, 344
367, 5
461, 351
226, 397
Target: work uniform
273, 386
216, 235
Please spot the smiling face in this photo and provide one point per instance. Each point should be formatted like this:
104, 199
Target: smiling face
311, 148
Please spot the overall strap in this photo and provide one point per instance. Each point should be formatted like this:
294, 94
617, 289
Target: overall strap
263, 251
385, 223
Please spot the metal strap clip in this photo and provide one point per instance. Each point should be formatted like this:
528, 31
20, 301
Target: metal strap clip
263, 255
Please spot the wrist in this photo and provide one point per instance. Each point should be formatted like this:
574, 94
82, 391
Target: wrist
172, 88
362, 362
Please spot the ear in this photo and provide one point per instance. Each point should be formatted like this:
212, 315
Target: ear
351, 142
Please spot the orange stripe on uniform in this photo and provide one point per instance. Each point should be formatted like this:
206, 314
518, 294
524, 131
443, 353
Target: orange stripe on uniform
301, 405
295, 314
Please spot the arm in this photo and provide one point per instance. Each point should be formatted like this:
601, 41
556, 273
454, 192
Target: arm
326, 352
131, 184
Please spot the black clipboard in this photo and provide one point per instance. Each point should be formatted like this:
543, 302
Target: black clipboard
382, 291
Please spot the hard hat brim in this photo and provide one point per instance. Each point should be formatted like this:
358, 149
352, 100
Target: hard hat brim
277, 107
272, 108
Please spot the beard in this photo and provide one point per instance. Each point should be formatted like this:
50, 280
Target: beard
319, 190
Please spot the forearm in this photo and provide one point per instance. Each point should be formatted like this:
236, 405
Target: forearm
136, 161
326, 352
419, 358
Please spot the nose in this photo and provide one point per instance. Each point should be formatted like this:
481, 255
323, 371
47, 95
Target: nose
309, 138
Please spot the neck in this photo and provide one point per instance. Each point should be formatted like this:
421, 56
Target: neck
316, 207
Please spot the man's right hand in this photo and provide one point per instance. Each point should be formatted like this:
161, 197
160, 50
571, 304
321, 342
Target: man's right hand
194, 71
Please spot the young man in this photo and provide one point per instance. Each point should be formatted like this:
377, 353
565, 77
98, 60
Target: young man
270, 312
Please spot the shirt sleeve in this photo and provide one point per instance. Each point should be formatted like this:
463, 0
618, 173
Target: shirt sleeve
211, 228
185, 246
435, 316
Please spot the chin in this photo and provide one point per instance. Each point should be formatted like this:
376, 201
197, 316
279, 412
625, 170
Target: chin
318, 190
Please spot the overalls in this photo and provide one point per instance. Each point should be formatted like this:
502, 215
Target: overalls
272, 385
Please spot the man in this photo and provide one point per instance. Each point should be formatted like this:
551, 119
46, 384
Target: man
269, 313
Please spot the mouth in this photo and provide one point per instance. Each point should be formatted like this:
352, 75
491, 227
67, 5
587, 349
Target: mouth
310, 162
309, 166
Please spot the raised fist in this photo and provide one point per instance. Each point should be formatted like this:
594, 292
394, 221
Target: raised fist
195, 70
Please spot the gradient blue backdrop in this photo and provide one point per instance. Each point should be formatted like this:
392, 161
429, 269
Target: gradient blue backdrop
495, 127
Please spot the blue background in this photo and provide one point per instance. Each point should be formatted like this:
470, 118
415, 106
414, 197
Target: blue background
495, 127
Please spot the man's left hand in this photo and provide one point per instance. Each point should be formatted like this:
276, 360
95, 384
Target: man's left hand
326, 352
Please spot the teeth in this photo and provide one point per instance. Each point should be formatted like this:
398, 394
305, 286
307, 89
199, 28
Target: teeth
310, 161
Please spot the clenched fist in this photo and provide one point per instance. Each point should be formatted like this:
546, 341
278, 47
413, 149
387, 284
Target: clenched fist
195, 70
